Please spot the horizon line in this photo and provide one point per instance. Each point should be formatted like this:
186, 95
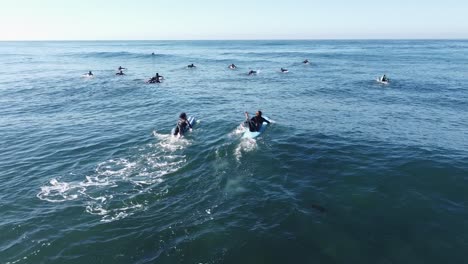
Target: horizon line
273, 39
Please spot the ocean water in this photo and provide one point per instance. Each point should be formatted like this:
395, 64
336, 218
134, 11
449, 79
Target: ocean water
350, 170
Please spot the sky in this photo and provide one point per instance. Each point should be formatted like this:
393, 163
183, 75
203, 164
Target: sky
235, 19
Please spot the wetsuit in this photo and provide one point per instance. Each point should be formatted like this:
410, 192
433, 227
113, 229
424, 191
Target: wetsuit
181, 125
255, 123
155, 79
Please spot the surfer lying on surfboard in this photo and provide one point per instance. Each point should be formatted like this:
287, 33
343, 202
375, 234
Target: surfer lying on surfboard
255, 123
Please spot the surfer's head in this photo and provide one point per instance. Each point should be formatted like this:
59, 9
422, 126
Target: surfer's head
183, 116
258, 113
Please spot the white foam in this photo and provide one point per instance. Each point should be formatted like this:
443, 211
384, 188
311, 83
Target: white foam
105, 193
59, 191
119, 167
245, 145
120, 213
98, 210
240, 129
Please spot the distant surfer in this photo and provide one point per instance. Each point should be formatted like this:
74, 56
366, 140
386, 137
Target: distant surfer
121, 68
384, 78
306, 61
155, 79
89, 74
152, 54
232, 66
191, 66
182, 125
120, 73
284, 70
251, 72
255, 123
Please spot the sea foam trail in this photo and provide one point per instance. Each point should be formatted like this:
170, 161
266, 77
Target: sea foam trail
110, 191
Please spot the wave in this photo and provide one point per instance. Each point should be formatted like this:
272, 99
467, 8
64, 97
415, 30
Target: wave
119, 54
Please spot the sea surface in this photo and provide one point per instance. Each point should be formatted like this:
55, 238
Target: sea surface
349, 171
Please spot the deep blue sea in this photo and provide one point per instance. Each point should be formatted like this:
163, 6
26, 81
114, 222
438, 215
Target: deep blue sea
349, 171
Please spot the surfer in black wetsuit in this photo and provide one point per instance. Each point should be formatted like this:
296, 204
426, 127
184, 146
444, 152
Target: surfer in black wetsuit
121, 68
284, 70
191, 66
252, 72
90, 73
232, 66
255, 123
120, 73
306, 61
182, 124
384, 78
156, 79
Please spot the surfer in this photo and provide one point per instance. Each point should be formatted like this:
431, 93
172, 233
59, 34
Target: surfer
255, 123
121, 68
252, 72
306, 61
191, 66
156, 79
152, 54
182, 125
384, 78
284, 70
120, 73
90, 73
232, 66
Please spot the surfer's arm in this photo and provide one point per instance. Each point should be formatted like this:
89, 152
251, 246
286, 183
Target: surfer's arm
264, 120
246, 116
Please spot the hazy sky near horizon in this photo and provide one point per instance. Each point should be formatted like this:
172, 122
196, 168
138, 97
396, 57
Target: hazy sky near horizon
236, 19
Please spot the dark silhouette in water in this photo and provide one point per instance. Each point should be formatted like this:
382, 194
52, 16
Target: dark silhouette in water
318, 208
384, 78
182, 124
156, 79
256, 122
